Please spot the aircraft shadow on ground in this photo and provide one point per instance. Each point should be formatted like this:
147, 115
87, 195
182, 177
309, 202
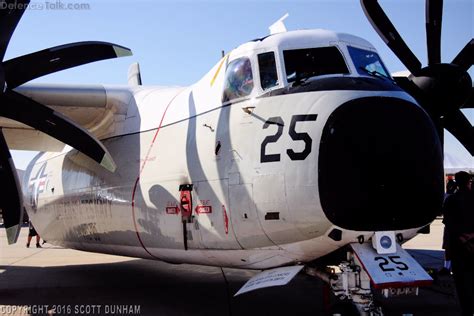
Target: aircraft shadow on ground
164, 289
158, 288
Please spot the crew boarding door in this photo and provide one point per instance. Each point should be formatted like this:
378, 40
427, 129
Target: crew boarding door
245, 221
212, 215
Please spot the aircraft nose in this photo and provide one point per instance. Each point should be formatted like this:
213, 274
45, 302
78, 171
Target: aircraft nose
380, 166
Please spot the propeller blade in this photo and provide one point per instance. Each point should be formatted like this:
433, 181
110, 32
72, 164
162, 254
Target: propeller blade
465, 58
434, 17
458, 125
27, 111
28, 67
10, 14
404, 83
411, 88
381, 23
12, 197
469, 104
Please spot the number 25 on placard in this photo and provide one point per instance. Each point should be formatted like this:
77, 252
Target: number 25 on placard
385, 264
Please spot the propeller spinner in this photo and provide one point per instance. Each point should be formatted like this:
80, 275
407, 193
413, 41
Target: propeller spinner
440, 88
15, 106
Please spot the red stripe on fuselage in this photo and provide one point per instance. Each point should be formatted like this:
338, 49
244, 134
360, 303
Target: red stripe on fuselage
139, 174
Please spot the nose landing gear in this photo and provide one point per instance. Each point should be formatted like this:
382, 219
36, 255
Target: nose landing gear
349, 282
368, 270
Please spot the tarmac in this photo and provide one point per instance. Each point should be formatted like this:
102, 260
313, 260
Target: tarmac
57, 281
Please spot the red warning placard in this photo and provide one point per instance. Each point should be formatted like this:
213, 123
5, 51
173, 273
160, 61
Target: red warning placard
172, 210
203, 209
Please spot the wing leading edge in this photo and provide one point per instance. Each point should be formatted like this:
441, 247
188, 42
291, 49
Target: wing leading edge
93, 107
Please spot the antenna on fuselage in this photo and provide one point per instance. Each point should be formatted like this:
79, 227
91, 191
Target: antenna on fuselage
278, 26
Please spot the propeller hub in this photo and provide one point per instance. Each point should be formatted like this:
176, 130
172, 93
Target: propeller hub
445, 86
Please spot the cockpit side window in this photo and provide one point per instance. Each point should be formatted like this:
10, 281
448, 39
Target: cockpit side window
367, 62
302, 64
238, 79
268, 70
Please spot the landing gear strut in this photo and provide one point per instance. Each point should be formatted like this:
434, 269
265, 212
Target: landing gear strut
349, 282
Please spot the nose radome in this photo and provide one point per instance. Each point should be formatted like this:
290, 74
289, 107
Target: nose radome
380, 166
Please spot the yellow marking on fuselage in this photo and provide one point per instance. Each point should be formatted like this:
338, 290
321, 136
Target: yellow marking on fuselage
225, 58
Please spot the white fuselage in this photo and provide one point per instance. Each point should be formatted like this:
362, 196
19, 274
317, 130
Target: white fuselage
245, 213
130, 212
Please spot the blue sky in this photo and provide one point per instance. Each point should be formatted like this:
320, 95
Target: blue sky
176, 42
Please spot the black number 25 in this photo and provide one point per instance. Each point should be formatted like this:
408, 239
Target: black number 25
383, 263
277, 120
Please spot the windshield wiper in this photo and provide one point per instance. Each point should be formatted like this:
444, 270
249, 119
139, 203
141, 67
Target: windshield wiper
375, 73
300, 81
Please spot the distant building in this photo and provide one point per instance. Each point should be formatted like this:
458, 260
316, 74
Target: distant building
453, 164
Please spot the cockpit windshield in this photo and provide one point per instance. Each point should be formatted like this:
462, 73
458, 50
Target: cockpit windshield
238, 79
302, 64
368, 62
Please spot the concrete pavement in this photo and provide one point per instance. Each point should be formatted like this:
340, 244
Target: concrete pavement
39, 281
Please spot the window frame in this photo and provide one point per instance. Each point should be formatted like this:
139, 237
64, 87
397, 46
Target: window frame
254, 73
341, 54
372, 50
335, 45
277, 72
